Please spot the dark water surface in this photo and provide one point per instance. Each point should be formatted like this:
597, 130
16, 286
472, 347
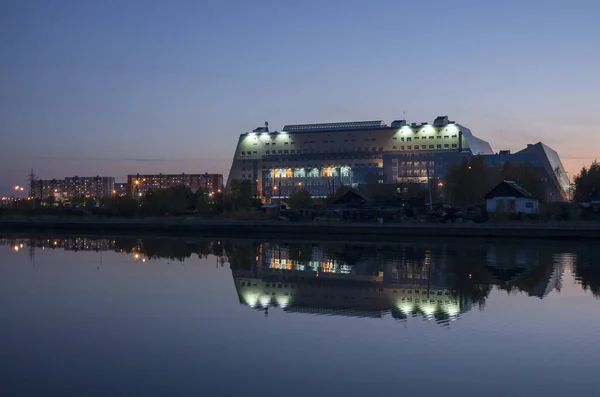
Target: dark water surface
173, 317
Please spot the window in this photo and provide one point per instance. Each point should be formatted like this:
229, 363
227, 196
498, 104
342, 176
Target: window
267, 144
267, 152
394, 138
408, 147
529, 204
299, 151
274, 144
380, 148
408, 139
454, 145
286, 143
293, 151
430, 146
446, 137
439, 137
394, 147
401, 147
255, 152
454, 136
243, 153
279, 151
439, 146
293, 143
416, 138
446, 146
432, 137
286, 151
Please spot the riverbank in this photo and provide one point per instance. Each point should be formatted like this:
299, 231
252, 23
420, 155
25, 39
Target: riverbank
312, 230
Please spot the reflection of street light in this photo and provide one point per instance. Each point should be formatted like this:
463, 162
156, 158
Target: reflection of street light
274, 187
299, 183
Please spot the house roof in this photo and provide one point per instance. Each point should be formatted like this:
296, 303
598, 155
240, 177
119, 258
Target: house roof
352, 194
508, 189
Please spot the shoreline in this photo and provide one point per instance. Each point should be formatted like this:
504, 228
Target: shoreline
307, 230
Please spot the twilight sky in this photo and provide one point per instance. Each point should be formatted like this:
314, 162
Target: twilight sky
112, 87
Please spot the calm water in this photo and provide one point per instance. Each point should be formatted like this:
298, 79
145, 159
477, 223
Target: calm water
171, 317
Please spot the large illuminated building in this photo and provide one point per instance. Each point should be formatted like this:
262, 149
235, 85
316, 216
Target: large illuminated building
322, 157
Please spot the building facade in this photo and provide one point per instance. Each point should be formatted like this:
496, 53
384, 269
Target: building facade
95, 186
69, 187
138, 185
44, 188
121, 189
322, 157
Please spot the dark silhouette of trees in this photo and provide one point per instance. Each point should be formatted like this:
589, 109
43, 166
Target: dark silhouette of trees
300, 199
468, 181
587, 184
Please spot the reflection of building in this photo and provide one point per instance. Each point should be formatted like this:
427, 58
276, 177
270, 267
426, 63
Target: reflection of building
327, 284
138, 185
524, 269
74, 244
322, 157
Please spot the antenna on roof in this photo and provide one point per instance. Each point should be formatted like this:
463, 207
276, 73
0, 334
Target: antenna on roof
266, 126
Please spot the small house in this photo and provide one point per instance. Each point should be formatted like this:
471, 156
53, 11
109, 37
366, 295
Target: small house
508, 197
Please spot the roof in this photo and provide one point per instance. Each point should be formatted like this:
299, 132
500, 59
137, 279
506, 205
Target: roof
346, 197
508, 189
334, 126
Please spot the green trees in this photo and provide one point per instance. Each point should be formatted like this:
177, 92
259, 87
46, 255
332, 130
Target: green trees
587, 183
469, 180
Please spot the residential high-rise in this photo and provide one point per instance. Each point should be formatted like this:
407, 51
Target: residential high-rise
96, 186
138, 185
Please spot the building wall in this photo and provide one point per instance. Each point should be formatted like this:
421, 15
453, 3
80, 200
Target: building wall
138, 185
97, 187
323, 159
513, 205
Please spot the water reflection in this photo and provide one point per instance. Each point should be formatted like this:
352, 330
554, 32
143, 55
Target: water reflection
434, 282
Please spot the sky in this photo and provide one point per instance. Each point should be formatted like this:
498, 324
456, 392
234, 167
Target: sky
105, 87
